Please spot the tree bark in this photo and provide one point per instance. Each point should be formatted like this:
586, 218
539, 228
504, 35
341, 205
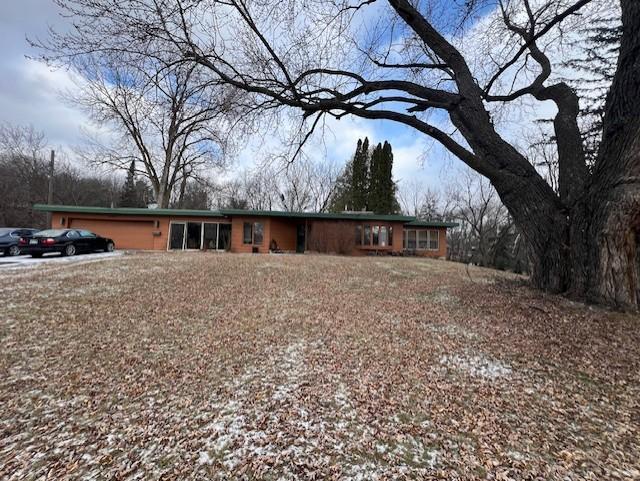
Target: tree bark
611, 273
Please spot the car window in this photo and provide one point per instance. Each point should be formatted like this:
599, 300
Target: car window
15, 233
72, 234
50, 233
86, 233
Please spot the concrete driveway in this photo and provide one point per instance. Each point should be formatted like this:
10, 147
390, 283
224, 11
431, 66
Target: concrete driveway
28, 261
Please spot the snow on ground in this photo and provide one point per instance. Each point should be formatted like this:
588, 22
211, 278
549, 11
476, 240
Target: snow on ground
206, 366
52, 259
477, 365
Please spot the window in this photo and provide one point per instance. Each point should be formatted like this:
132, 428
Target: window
86, 233
247, 236
72, 234
367, 235
176, 235
390, 236
376, 234
411, 239
423, 239
258, 233
358, 235
253, 233
434, 243
210, 236
384, 238
224, 237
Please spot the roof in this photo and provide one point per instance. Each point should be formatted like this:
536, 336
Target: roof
409, 220
431, 223
318, 215
128, 211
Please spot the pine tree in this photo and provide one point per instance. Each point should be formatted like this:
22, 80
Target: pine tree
375, 193
382, 189
595, 61
360, 176
128, 196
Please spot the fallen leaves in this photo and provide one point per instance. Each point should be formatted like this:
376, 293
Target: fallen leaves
200, 365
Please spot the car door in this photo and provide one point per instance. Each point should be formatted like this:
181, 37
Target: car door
73, 236
89, 241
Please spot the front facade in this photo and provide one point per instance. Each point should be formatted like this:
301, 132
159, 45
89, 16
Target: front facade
256, 231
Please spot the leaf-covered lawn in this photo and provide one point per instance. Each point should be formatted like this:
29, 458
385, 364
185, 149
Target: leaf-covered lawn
210, 366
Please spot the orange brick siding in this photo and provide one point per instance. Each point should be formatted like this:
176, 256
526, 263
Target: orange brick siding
284, 232
323, 235
237, 232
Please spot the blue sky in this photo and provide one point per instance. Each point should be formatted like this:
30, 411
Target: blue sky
30, 93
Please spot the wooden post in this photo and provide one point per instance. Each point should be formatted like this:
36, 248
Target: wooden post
50, 193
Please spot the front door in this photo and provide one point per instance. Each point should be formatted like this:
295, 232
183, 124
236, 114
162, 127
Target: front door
300, 238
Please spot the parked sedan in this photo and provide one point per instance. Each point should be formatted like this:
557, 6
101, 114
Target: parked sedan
10, 239
68, 242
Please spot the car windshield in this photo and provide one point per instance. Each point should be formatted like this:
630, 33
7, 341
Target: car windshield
50, 233
4, 231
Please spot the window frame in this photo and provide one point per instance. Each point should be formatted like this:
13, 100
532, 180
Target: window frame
249, 240
184, 223
430, 235
261, 224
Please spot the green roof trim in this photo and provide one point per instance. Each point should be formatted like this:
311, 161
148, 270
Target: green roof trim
318, 215
362, 216
430, 223
127, 211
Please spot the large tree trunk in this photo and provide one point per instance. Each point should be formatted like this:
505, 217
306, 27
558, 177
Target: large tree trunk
612, 273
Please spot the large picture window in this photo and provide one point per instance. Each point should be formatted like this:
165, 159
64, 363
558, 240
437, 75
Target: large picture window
374, 235
199, 235
421, 239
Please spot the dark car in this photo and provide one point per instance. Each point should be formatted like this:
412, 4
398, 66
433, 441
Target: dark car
68, 242
10, 239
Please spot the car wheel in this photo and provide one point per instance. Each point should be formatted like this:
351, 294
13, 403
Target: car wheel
110, 247
69, 250
14, 251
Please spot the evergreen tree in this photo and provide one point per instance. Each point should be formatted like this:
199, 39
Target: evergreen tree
375, 194
382, 189
595, 63
360, 176
129, 197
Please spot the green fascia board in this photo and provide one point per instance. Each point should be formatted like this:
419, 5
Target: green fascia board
127, 211
365, 216
318, 215
429, 223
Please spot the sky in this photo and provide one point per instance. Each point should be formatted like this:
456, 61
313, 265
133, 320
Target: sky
31, 94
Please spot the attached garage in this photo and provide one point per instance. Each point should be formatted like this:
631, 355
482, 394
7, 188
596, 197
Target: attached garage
126, 233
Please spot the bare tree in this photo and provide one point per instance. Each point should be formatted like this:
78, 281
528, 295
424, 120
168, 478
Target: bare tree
165, 117
583, 239
24, 179
483, 218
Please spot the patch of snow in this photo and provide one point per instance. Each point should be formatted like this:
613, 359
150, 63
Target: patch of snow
477, 365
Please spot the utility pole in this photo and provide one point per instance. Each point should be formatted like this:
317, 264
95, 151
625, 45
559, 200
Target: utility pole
50, 193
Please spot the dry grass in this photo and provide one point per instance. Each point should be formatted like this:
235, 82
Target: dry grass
208, 366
